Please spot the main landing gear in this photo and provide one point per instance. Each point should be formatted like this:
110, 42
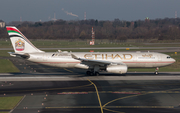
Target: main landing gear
92, 73
156, 71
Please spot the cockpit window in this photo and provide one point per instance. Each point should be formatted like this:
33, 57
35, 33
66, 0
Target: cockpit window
168, 57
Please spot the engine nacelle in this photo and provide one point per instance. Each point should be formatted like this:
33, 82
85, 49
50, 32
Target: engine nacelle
119, 69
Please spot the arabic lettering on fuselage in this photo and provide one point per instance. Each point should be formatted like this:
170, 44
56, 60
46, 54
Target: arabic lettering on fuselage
108, 56
148, 56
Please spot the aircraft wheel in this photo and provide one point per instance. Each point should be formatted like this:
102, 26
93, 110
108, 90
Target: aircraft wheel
96, 73
88, 73
92, 73
156, 73
123, 74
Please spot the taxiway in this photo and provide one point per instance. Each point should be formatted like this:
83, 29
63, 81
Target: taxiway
98, 96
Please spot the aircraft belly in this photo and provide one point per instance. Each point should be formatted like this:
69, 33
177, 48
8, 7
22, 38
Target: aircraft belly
161, 64
131, 64
147, 64
140, 64
66, 65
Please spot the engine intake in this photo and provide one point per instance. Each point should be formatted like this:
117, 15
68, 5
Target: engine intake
119, 69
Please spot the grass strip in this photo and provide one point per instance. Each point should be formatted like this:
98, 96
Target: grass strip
5, 52
7, 66
9, 102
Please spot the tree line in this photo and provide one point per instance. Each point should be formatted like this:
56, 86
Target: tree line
161, 29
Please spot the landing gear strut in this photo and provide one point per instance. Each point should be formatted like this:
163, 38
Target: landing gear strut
91, 73
156, 71
94, 71
88, 72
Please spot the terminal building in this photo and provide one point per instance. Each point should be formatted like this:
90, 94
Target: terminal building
2, 24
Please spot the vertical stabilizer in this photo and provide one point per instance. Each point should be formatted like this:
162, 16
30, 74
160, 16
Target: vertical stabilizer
19, 42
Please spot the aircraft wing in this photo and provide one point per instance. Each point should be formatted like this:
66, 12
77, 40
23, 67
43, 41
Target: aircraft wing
95, 62
19, 55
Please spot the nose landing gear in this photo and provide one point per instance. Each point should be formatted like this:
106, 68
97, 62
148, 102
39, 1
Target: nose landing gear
156, 71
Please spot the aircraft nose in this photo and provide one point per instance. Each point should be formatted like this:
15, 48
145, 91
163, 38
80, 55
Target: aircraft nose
173, 60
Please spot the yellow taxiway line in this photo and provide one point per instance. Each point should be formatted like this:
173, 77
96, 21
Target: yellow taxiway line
97, 95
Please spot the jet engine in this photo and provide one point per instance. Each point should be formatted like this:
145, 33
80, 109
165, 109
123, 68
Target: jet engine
119, 69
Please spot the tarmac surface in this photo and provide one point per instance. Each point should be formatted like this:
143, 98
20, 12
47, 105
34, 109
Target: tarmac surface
105, 96
70, 91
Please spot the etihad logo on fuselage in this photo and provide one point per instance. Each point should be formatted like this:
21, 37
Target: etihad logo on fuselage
19, 45
108, 56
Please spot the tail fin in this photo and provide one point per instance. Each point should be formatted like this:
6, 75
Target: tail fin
19, 42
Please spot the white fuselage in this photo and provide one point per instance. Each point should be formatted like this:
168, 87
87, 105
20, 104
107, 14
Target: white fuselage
131, 59
114, 62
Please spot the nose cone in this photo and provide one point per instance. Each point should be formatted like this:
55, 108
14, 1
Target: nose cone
173, 60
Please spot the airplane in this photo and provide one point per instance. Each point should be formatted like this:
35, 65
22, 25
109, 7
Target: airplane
93, 62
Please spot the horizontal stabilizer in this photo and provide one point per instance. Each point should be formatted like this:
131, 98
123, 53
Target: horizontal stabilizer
25, 56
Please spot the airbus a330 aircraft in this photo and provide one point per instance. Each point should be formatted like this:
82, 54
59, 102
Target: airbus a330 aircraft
94, 62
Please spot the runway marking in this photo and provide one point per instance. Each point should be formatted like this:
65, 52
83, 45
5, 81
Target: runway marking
50, 88
87, 92
135, 92
173, 89
68, 70
139, 107
154, 107
119, 92
144, 85
72, 93
72, 107
130, 92
145, 93
97, 95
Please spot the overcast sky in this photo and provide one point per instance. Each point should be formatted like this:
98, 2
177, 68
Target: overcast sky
35, 10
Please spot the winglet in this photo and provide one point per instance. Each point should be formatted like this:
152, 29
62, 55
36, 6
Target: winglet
25, 56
